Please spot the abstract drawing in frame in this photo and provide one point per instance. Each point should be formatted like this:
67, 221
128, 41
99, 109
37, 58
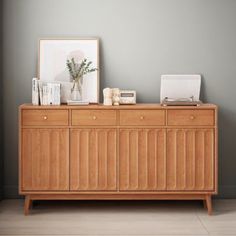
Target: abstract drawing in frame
53, 54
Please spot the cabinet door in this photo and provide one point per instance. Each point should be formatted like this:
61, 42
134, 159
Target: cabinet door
190, 159
142, 162
45, 159
93, 159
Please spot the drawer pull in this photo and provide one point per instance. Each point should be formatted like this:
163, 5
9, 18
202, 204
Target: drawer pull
192, 117
45, 117
94, 117
141, 117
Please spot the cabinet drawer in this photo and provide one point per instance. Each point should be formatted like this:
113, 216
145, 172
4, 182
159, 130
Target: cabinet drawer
142, 117
93, 117
190, 117
45, 117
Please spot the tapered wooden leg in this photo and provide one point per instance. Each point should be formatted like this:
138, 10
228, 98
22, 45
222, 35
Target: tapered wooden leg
28, 204
209, 204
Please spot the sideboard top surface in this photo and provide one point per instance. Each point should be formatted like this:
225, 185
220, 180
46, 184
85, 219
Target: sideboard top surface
121, 107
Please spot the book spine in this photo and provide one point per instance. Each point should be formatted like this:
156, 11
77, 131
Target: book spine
57, 94
35, 91
54, 93
45, 95
40, 85
50, 94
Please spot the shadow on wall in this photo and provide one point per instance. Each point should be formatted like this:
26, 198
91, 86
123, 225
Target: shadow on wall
226, 147
227, 150
1, 102
203, 89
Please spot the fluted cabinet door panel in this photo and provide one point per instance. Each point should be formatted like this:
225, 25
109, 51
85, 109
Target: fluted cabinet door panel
190, 159
93, 159
142, 163
45, 159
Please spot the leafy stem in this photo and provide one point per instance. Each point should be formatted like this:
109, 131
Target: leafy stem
78, 70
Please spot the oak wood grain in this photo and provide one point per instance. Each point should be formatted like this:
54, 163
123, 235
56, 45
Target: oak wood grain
45, 117
93, 117
190, 117
45, 159
93, 159
142, 151
190, 159
142, 162
142, 117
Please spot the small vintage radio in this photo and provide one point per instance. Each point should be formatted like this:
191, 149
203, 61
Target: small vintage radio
127, 97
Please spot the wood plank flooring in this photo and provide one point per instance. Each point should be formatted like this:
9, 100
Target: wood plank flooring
118, 218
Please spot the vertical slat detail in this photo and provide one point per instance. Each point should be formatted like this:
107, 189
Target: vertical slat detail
194, 159
175, 160
185, 160
88, 158
42, 169
93, 164
146, 158
144, 150
190, 159
204, 159
97, 160
156, 161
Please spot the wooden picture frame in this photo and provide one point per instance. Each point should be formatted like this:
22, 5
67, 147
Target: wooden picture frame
52, 56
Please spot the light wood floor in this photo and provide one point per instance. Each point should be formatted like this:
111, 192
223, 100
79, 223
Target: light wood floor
118, 218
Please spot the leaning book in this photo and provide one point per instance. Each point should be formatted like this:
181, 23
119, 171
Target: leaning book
35, 91
54, 96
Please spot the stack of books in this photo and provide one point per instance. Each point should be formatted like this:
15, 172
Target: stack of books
45, 93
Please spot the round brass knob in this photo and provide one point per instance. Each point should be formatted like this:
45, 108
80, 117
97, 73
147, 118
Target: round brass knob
192, 117
45, 117
141, 117
94, 117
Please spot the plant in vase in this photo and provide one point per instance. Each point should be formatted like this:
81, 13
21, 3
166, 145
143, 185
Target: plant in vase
77, 71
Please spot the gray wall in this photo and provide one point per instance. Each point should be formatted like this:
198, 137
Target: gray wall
1, 106
140, 40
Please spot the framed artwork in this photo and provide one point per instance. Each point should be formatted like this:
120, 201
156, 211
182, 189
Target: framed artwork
53, 54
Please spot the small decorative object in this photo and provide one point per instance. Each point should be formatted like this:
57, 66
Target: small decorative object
116, 96
127, 97
107, 97
53, 53
77, 71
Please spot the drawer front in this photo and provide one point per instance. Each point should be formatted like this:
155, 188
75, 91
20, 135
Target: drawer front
93, 117
190, 117
142, 117
45, 117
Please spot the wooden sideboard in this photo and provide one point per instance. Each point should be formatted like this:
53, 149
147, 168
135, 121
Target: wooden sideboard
143, 151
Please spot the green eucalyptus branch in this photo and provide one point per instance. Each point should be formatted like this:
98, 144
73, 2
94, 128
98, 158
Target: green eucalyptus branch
78, 70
